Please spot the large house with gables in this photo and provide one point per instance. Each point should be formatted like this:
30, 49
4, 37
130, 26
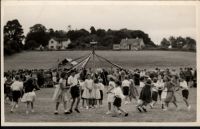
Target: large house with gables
58, 43
129, 44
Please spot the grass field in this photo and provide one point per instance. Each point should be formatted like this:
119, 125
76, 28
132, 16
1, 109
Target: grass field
44, 108
130, 59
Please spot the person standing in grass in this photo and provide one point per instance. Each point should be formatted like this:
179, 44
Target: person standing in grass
154, 92
82, 88
126, 89
133, 91
88, 93
185, 92
110, 92
16, 89
29, 94
101, 88
74, 90
97, 94
170, 97
118, 97
61, 94
160, 85
145, 96
7, 88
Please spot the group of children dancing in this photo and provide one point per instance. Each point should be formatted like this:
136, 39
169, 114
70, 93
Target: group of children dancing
90, 88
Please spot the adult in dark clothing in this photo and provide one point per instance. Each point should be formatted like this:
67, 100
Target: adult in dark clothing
137, 79
104, 75
188, 75
40, 79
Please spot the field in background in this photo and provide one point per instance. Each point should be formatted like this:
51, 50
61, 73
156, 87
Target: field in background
44, 108
129, 59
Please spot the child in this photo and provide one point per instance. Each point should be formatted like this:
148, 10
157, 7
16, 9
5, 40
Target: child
118, 100
88, 92
126, 88
101, 88
61, 94
29, 94
133, 90
160, 85
74, 90
97, 92
7, 89
185, 92
170, 93
145, 96
154, 93
82, 87
110, 93
16, 89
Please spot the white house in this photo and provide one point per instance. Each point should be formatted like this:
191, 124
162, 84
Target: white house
58, 43
129, 44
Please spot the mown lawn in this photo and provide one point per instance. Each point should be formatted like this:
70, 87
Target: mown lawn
44, 108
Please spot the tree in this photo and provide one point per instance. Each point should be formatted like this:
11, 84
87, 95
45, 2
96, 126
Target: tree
38, 34
13, 36
38, 28
180, 42
101, 32
191, 43
31, 44
92, 30
165, 43
173, 42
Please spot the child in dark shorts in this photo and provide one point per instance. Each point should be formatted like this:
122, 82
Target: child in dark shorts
118, 100
185, 92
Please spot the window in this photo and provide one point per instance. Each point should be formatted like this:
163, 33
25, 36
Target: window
52, 42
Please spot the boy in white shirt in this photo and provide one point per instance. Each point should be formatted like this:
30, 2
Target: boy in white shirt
16, 88
75, 90
118, 100
125, 86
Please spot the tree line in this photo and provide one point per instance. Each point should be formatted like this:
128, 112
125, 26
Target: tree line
80, 38
179, 42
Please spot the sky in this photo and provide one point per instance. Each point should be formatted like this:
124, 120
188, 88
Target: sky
158, 21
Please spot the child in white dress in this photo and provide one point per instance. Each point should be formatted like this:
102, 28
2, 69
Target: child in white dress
111, 95
61, 94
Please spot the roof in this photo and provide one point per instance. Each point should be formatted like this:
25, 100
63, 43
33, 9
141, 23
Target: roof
131, 41
59, 39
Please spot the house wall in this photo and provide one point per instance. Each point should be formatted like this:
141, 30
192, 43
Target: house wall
65, 44
124, 46
52, 44
116, 46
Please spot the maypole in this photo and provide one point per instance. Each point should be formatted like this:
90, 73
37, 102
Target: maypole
93, 55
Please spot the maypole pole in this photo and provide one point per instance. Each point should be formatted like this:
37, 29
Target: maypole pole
93, 43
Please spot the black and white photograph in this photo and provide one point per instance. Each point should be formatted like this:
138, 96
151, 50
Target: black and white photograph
99, 63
